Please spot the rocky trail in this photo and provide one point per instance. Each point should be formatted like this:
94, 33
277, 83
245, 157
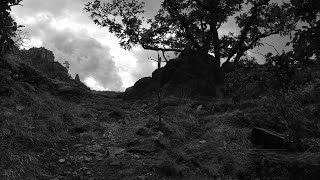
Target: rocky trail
111, 152
126, 145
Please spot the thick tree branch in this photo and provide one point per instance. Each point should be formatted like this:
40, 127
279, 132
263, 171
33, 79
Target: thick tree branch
251, 45
154, 48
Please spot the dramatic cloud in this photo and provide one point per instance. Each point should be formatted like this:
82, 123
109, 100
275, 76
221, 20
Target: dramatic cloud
63, 27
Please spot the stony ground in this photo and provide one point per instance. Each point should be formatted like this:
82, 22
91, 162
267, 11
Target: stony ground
123, 142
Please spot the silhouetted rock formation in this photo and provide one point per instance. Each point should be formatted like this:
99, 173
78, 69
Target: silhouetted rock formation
43, 60
40, 55
77, 79
190, 74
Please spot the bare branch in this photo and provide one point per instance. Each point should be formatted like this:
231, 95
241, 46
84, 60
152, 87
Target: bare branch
164, 56
273, 48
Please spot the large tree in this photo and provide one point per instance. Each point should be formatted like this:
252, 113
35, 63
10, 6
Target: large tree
194, 24
8, 27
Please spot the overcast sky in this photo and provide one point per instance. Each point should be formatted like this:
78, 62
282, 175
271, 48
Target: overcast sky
63, 27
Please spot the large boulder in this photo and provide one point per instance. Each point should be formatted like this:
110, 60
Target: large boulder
267, 139
191, 74
142, 88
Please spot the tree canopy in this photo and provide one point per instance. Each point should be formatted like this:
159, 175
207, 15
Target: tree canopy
8, 27
194, 24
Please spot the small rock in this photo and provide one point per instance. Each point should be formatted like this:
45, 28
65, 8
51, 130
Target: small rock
115, 163
7, 114
19, 108
199, 108
126, 120
144, 131
81, 129
62, 160
202, 141
113, 151
159, 134
95, 147
133, 142
78, 145
162, 142
87, 158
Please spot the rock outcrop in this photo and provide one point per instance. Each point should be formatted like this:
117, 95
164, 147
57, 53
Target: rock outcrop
77, 79
43, 60
190, 74
40, 55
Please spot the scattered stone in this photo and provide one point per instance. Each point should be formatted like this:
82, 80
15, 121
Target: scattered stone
267, 139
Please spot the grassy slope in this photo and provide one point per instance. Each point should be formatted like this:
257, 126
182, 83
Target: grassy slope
46, 136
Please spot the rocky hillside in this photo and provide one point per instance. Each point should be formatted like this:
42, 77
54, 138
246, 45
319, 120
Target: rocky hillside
52, 127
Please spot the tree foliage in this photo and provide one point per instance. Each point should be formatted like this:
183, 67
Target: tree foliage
306, 42
8, 27
194, 24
